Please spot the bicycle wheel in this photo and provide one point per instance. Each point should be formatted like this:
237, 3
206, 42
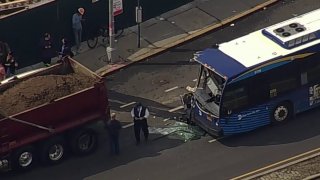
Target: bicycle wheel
92, 42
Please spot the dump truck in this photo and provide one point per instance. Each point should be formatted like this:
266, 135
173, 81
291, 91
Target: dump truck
44, 112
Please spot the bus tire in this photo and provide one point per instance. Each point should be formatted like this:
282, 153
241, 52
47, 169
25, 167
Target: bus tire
23, 158
53, 151
83, 141
282, 112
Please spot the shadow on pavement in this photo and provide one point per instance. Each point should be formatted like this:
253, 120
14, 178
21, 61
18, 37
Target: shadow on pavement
304, 126
75, 168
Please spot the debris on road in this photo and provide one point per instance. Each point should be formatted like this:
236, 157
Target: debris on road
180, 130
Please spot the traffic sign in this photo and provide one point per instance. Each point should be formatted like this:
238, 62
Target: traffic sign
117, 7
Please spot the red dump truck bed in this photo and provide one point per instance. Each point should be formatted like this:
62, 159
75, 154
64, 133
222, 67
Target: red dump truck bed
75, 96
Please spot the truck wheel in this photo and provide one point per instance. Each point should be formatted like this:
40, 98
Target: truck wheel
282, 112
53, 151
83, 142
23, 158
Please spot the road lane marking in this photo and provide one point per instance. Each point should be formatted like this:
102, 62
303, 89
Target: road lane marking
175, 109
212, 140
171, 89
195, 80
125, 105
128, 125
166, 119
279, 165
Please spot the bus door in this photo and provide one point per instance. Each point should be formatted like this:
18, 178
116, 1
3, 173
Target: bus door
310, 80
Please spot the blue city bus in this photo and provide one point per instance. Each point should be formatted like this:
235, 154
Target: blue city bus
264, 77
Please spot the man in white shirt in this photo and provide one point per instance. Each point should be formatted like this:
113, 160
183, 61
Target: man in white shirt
140, 114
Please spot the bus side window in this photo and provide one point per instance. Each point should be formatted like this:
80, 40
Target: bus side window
282, 86
313, 74
235, 99
304, 78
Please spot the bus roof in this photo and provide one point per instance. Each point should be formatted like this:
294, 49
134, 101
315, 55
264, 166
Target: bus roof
266, 44
219, 62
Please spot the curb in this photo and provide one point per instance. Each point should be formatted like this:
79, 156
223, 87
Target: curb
279, 165
312, 177
104, 71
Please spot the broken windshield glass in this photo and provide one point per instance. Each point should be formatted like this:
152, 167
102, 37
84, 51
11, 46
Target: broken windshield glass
180, 130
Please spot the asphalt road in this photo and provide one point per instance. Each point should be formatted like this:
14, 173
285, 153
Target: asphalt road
158, 83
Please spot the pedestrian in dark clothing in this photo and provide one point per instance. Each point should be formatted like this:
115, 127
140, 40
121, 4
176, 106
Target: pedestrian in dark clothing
2, 72
10, 65
47, 52
140, 114
4, 52
114, 127
65, 49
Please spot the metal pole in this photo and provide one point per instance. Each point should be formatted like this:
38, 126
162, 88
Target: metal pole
139, 27
110, 50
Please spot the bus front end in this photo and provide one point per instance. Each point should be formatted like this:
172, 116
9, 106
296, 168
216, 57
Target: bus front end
205, 104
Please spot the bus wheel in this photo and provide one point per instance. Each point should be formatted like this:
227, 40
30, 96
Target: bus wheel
53, 151
282, 112
83, 141
23, 158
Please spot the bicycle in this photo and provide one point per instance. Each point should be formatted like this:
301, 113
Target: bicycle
103, 32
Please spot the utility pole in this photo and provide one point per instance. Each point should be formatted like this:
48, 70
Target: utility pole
139, 20
111, 49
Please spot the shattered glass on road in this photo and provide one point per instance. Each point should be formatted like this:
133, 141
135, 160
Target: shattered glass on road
179, 130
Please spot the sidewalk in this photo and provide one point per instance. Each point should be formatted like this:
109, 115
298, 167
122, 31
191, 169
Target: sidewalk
165, 31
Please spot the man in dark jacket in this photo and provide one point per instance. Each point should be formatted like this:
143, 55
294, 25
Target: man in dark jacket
114, 127
65, 49
140, 114
4, 52
47, 51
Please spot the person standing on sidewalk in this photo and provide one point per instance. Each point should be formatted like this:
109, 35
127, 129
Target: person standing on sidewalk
4, 52
140, 114
46, 47
113, 127
10, 65
65, 49
77, 27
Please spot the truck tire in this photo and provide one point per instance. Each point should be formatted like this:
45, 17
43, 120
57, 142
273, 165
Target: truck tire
23, 158
53, 151
83, 141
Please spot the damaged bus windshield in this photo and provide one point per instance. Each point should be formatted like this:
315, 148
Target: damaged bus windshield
208, 92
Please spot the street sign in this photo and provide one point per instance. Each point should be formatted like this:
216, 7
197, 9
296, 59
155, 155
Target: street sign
117, 7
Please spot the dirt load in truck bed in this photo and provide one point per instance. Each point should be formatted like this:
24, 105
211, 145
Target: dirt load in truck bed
41, 89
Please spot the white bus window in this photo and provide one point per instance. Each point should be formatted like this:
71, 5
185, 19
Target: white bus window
298, 40
291, 43
312, 36
305, 38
